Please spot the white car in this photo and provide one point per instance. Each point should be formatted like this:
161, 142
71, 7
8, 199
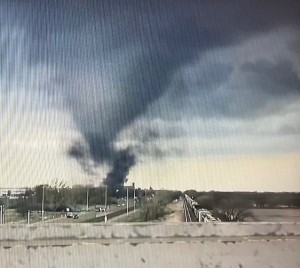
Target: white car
70, 215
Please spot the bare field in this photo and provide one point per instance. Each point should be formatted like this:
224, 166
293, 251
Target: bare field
258, 215
274, 215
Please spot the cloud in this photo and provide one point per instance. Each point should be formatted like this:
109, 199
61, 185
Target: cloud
273, 79
246, 80
263, 88
80, 152
290, 129
110, 64
233, 100
147, 139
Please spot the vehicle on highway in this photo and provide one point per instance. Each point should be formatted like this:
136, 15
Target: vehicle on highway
69, 214
100, 209
72, 215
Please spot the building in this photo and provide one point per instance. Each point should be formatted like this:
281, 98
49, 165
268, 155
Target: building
12, 193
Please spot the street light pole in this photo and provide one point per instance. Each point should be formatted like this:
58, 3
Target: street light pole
127, 201
1, 218
105, 216
87, 199
3, 214
43, 199
133, 197
28, 217
105, 197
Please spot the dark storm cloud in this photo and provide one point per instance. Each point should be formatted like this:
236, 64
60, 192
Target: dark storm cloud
112, 59
264, 87
149, 135
81, 153
146, 139
259, 88
273, 79
198, 82
214, 90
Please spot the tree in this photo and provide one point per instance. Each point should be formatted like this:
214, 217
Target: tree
261, 200
152, 210
231, 210
192, 193
206, 203
232, 214
22, 206
55, 196
155, 208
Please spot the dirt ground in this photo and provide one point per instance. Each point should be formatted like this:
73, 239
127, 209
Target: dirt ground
177, 215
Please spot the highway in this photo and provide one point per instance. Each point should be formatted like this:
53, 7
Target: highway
91, 216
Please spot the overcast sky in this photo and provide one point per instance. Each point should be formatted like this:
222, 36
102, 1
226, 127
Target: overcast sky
204, 94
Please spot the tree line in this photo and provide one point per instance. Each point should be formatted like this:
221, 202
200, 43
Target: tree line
58, 197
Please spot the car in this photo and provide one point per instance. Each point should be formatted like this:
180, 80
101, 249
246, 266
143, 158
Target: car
70, 215
100, 209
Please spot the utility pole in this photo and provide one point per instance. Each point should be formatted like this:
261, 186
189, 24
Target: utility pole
43, 200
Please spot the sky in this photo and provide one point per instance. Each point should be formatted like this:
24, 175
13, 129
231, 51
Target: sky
174, 94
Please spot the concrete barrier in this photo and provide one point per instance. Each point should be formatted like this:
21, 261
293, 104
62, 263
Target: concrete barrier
140, 231
151, 245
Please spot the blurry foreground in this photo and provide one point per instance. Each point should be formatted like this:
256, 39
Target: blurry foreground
151, 245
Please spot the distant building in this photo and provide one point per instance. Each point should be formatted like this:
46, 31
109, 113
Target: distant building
12, 193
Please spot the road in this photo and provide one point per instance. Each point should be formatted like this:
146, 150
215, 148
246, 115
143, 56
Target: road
91, 216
